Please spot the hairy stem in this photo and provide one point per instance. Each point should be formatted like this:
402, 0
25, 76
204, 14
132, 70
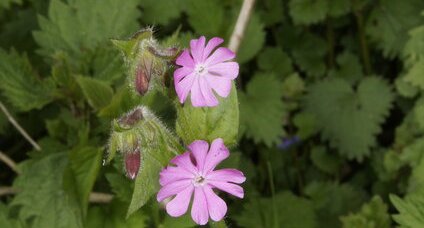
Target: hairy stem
241, 24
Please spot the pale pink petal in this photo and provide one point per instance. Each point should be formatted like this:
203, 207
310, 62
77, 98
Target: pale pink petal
199, 210
172, 189
228, 70
179, 205
197, 99
185, 59
207, 93
230, 188
212, 44
184, 86
171, 174
227, 175
217, 153
221, 85
181, 72
221, 54
196, 48
216, 206
199, 148
183, 161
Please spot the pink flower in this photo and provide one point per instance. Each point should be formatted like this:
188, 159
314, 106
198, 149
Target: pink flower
204, 70
194, 172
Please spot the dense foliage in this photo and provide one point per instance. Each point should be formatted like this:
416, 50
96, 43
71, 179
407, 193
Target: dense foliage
331, 114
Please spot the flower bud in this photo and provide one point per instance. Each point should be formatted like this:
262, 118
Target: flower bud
165, 53
132, 163
143, 74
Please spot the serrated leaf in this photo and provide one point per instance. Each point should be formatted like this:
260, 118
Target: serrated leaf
262, 110
308, 11
206, 17
20, 84
309, 54
253, 40
6, 221
324, 161
209, 123
273, 12
162, 12
411, 210
350, 119
415, 74
97, 93
42, 199
414, 47
121, 186
275, 60
291, 211
372, 215
339, 7
349, 67
389, 23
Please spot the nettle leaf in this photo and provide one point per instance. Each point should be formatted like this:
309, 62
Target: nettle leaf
96, 21
42, 200
113, 216
415, 75
162, 12
5, 4
275, 60
262, 110
372, 214
84, 166
309, 53
414, 48
350, 119
6, 221
253, 40
290, 211
344, 198
411, 210
390, 21
121, 186
308, 11
273, 12
338, 8
209, 123
97, 93
20, 84
206, 17
324, 161
349, 67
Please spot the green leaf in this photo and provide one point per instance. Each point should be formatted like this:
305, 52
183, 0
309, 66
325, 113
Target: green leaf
344, 198
339, 8
275, 60
6, 221
350, 119
310, 54
42, 199
162, 12
273, 12
253, 40
415, 75
291, 211
414, 47
324, 161
262, 110
206, 17
349, 67
411, 210
308, 11
209, 123
20, 84
372, 215
97, 93
96, 21
84, 166
121, 186
389, 23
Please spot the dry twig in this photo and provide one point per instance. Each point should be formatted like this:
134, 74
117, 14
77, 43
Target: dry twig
241, 24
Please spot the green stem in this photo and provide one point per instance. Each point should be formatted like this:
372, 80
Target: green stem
272, 186
363, 41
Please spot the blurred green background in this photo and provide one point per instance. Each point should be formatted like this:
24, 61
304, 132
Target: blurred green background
331, 113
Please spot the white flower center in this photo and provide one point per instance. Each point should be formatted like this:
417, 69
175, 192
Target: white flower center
200, 69
199, 181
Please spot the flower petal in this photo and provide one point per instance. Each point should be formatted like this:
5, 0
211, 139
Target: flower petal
230, 188
196, 47
212, 44
171, 174
181, 72
199, 210
197, 99
227, 175
217, 153
179, 205
228, 70
221, 54
199, 148
221, 85
172, 189
207, 93
185, 59
183, 161
216, 206
184, 86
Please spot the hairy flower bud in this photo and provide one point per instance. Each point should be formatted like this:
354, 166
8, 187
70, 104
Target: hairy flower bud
143, 73
132, 163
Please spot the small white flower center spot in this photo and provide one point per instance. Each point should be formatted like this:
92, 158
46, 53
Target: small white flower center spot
199, 180
200, 69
